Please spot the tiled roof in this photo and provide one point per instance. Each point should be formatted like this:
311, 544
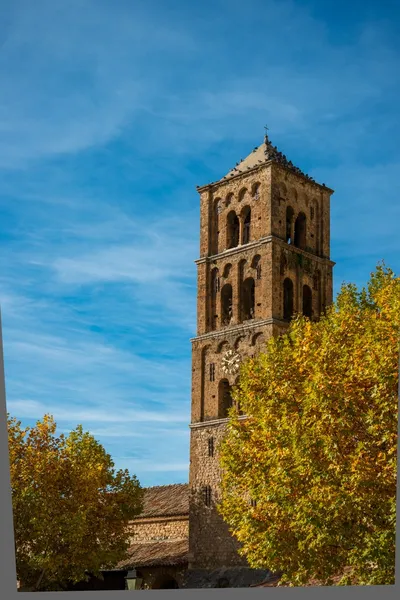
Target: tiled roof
263, 154
165, 501
157, 554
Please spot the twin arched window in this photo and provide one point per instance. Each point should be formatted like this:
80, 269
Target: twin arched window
233, 227
300, 233
288, 305
247, 304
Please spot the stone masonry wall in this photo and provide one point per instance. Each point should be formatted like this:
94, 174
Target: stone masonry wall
210, 542
207, 354
236, 195
150, 530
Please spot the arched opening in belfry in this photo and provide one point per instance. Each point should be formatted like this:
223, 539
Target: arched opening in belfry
300, 231
248, 299
204, 362
289, 219
255, 190
215, 284
226, 304
225, 401
229, 199
215, 225
232, 229
242, 194
227, 270
246, 216
165, 582
307, 301
287, 299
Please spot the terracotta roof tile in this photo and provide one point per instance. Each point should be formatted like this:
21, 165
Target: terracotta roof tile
157, 554
166, 501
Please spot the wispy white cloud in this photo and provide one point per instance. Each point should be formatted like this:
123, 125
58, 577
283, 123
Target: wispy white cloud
89, 84
153, 467
31, 408
90, 91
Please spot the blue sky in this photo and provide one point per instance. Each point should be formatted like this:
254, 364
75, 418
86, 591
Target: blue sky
110, 114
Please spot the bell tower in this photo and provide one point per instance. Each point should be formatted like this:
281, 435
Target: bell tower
264, 256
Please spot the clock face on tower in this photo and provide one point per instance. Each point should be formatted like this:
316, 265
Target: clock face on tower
230, 362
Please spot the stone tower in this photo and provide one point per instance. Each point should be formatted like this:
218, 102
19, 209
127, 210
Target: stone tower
264, 255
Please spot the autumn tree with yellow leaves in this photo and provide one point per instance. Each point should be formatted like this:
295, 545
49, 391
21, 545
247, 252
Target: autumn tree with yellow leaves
70, 507
309, 477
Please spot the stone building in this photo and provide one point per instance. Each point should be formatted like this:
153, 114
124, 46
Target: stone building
159, 543
264, 255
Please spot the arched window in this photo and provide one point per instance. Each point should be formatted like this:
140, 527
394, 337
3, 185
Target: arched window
229, 199
248, 299
226, 304
224, 398
258, 339
246, 216
215, 284
256, 191
215, 228
214, 281
289, 218
255, 263
287, 299
232, 228
307, 301
227, 270
242, 194
242, 267
300, 231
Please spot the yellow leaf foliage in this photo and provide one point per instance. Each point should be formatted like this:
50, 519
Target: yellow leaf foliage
318, 449
70, 507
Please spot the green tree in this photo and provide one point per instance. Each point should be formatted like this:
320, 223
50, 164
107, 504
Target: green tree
70, 507
317, 451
